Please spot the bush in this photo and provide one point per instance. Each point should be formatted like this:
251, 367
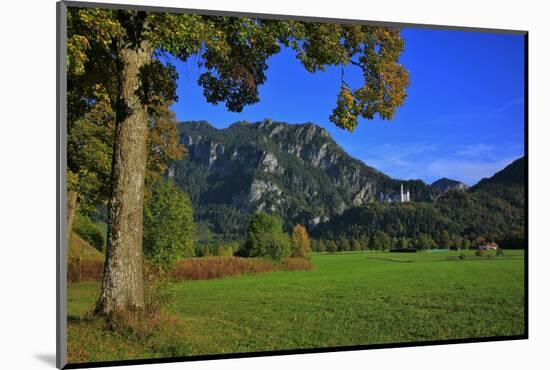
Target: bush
343, 244
403, 243
355, 245
301, 246
466, 243
331, 246
321, 246
265, 238
168, 226
425, 242
382, 241
89, 231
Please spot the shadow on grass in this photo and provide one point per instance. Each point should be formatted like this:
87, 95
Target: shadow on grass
388, 259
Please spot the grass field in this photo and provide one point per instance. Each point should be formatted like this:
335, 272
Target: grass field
349, 299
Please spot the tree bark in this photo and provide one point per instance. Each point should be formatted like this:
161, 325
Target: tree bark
122, 286
71, 210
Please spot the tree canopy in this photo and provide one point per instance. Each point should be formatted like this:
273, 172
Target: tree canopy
233, 52
169, 229
265, 238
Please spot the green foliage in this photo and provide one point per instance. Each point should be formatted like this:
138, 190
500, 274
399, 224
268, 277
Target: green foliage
355, 245
89, 231
169, 229
227, 249
395, 219
343, 244
424, 241
321, 246
265, 238
331, 246
403, 242
92, 93
444, 240
234, 50
382, 241
466, 244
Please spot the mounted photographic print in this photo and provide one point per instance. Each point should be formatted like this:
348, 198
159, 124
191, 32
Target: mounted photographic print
236, 185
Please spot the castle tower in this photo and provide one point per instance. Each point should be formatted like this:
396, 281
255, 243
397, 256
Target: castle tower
402, 195
408, 196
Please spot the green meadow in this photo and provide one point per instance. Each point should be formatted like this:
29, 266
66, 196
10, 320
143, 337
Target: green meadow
348, 299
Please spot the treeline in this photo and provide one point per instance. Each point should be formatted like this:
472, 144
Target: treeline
453, 220
381, 241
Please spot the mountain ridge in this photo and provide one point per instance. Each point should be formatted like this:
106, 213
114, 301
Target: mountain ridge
295, 170
445, 184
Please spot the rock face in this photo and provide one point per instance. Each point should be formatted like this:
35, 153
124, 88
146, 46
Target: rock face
443, 185
296, 171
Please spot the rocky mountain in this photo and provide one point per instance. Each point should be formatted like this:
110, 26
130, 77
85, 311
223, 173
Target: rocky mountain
444, 184
296, 171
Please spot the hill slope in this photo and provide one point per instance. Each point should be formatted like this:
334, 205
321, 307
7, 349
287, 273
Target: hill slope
79, 248
513, 174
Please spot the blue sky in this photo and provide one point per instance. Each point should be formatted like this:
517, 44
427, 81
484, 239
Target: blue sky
463, 117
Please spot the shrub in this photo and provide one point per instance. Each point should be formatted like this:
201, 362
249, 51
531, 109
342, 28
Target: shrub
444, 240
224, 250
321, 246
331, 246
297, 263
89, 231
403, 243
301, 246
168, 226
343, 244
355, 245
265, 238
479, 252
382, 241
425, 242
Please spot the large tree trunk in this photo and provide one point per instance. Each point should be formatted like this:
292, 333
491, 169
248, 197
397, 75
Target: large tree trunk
122, 287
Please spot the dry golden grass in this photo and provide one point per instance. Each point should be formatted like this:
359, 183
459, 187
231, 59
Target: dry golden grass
218, 267
80, 270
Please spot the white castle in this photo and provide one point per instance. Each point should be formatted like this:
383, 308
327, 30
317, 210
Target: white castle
405, 197
397, 197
